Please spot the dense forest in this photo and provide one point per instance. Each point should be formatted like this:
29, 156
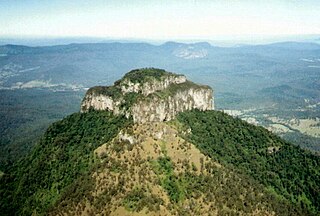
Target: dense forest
290, 172
64, 153
26, 114
255, 160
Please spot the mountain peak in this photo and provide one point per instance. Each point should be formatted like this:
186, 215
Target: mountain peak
145, 75
149, 95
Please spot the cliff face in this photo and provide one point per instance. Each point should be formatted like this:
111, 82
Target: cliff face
149, 95
99, 102
165, 110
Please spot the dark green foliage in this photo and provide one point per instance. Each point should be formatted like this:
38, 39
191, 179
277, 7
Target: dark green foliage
165, 165
74, 193
293, 173
139, 198
141, 75
133, 199
185, 86
174, 88
26, 114
238, 193
173, 187
219, 187
111, 91
169, 181
64, 154
129, 99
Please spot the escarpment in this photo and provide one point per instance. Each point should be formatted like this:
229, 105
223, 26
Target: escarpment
149, 95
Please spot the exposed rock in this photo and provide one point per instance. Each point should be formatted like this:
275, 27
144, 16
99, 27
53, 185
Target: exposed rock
149, 95
123, 137
164, 110
151, 86
100, 102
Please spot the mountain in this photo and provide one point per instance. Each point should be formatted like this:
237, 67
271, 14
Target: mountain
104, 161
149, 95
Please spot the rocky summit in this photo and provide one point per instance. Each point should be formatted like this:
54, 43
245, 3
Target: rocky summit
152, 145
149, 95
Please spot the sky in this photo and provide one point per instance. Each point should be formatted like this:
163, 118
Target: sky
160, 19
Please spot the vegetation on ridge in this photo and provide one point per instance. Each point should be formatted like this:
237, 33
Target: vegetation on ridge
135, 76
240, 168
287, 171
144, 74
158, 176
126, 100
111, 91
64, 154
172, 89
58, 175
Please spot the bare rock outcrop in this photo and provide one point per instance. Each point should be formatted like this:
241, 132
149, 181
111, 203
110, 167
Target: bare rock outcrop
149, 95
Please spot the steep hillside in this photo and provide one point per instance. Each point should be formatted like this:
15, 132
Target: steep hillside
197, 162
291, 173
148, 169
155, 169
64, 154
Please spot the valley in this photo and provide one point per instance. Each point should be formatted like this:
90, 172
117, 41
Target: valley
284, 125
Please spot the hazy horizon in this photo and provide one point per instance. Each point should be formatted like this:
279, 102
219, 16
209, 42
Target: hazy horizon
227, 41
160, 20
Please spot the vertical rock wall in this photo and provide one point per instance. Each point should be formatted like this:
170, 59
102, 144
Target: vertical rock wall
159, 99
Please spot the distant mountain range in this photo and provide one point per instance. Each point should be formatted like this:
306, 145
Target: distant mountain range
88, 64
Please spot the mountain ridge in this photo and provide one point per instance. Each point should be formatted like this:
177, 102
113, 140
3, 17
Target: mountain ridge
149, 95
198, 163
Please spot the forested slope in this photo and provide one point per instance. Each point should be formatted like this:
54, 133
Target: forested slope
293, 174
64, 154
